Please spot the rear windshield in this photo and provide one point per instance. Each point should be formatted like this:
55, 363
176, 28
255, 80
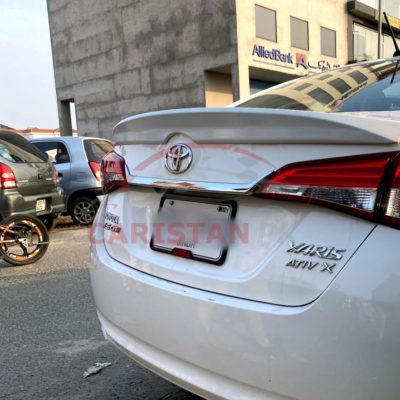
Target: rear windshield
17, 149
97, 149
371, 86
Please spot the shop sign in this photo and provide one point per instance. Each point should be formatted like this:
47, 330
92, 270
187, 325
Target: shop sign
273, 54
321, 65
292, 61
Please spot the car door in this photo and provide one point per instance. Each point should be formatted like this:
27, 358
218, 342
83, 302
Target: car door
58, 154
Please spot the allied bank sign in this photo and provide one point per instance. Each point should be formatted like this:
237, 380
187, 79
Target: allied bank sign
273, 54
289, 60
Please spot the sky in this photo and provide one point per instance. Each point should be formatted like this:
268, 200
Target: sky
27, 89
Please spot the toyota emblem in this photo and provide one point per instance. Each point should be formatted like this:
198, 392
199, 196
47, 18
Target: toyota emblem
178, 158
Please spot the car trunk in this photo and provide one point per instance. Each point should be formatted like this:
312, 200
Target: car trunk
266, 250
30, 167
33, 178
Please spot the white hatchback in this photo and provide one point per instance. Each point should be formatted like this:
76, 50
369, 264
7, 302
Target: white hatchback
253, 252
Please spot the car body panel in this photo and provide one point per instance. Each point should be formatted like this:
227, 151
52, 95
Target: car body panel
348, 335
263, 230
251, 146
226, 125
258, 264
12, 203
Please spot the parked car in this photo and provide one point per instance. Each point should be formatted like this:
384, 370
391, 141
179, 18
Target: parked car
77, 160
252, 252
28, 183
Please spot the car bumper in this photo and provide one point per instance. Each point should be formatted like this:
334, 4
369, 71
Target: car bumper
15, 203
345, 345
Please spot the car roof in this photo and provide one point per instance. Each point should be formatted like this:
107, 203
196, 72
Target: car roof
68, 138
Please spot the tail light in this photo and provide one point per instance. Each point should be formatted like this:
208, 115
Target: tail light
359, 185
56, 175
95, 167
392, 211
7, 177
113, 173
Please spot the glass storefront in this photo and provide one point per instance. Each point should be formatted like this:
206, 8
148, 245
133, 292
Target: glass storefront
366, 43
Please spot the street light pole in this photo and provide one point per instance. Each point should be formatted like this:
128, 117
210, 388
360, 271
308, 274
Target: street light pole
379, 28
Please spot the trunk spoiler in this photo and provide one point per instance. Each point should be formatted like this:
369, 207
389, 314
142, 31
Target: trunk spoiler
225, 125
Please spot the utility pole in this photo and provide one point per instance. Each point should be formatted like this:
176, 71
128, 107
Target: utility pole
379, 28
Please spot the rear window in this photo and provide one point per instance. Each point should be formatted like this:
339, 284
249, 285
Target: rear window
16, 149
97, 149
370, 86
56, 151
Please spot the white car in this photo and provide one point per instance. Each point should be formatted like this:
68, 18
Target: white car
253, 252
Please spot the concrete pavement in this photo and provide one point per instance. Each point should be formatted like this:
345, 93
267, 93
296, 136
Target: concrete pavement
49, 333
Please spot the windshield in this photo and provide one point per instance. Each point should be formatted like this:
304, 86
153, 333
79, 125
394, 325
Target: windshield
371, 86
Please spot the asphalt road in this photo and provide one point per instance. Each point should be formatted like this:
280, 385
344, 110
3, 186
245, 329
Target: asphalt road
49, 333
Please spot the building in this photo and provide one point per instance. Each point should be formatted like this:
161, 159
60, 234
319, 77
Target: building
42, 132
363, 28
115, 59
36, 132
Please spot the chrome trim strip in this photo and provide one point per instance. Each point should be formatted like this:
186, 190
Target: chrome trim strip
200, 186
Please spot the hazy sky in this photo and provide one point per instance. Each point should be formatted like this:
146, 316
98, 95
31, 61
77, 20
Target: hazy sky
27, 91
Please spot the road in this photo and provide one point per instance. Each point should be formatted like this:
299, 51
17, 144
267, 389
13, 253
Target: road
49, 333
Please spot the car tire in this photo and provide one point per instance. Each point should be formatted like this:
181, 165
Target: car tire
83, 210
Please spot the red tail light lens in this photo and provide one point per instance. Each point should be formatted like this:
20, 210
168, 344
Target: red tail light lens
7, 177
348, 183
392, 212
56, 175
95, 167
113, 172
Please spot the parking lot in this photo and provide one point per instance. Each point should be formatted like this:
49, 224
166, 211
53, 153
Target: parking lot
49, 333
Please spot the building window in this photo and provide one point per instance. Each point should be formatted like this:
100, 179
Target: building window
388, 46
265, 23
299, 33
365, 43
56, 151
328, 42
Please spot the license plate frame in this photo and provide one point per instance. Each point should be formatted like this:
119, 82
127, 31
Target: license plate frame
228, 207
41, 205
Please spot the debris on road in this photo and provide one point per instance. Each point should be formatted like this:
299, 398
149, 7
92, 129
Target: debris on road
95, 369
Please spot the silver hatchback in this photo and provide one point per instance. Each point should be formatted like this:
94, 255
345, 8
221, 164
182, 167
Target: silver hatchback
77, 160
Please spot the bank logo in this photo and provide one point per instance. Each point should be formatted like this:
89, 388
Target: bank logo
301, 60
178, 158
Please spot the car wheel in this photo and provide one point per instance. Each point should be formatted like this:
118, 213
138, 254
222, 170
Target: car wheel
83, 210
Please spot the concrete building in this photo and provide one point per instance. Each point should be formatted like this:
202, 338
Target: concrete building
42, 132
115, 59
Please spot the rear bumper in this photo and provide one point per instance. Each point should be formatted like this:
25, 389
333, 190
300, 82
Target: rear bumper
12, 203
189, 337
345, 345
198, 380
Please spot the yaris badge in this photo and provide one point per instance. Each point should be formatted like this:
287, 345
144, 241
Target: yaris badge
178, 158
